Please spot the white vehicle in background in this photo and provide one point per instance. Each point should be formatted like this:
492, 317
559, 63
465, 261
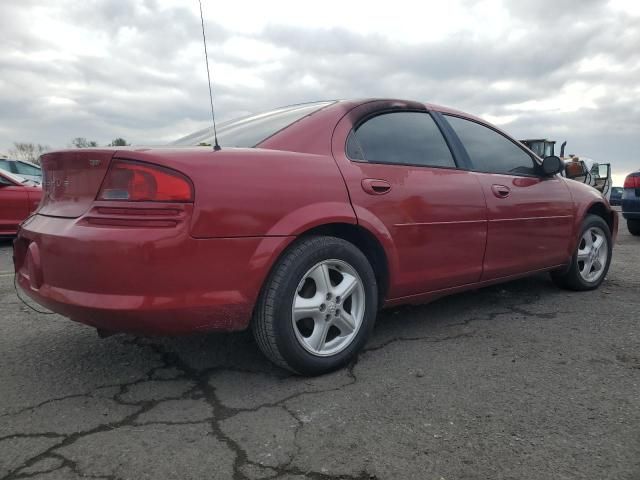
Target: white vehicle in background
22, 168
580, 169
587, 170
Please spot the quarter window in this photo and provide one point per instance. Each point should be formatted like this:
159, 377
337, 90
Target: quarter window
490, 151
405, 138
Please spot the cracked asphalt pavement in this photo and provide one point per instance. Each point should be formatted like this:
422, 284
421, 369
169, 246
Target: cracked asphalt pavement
517, 381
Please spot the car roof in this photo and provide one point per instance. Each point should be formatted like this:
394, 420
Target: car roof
23, 161
324, 120
4, 157
429, 106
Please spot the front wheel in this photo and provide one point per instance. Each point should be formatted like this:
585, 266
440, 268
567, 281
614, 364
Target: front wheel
591, 259
318, 306
634, 227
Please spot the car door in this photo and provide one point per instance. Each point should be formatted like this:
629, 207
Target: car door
404, 183
530, 216
14, 205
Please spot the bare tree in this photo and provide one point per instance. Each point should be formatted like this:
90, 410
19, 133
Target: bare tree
82, 142
118, 142
28, 151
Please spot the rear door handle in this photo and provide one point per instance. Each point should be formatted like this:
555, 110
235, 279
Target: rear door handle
501, 191
374, 186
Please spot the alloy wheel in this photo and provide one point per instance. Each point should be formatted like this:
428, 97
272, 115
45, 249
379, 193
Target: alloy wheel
328, 307
593, 251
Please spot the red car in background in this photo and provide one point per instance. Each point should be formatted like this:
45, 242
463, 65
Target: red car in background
19, 197
307, 221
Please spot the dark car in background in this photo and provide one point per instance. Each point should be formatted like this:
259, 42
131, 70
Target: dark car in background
631, 202
616, 196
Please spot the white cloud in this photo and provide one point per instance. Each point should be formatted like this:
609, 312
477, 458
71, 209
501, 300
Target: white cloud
631, 7
573, 97
134, 68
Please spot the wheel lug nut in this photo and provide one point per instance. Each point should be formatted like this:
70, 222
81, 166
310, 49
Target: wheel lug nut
327, 317
322, 307
337, 312
338, 299
328, 296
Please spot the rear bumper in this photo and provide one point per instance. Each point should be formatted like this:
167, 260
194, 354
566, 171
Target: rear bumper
630, 205
142, 280
631, 212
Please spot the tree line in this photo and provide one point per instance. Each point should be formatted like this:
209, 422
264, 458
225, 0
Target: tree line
31, 152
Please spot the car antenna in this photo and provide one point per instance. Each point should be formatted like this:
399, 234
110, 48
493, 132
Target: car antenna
216, 145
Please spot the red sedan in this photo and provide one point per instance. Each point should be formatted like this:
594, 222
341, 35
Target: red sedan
307, 221
18, 198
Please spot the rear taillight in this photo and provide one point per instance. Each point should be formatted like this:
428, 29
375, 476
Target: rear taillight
140, 182
632, 181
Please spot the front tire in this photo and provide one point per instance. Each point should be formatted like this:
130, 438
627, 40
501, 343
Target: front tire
318, 306
591, 260
634, 227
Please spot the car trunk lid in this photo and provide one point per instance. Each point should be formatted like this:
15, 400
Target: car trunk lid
72, 180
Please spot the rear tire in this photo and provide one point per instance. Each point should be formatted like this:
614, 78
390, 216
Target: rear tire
318, 306
591, 260
634, 227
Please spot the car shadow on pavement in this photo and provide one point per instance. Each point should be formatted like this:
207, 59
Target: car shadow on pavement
447, 316
124, 359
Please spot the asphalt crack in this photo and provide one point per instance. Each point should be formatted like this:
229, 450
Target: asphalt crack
202, 388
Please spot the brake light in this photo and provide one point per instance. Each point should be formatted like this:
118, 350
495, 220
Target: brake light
632, 181
139, 182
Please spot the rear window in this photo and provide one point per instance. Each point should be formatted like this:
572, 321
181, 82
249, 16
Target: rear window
247, 132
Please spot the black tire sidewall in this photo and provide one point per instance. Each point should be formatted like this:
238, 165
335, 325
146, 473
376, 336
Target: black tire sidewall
287, 343
633, 225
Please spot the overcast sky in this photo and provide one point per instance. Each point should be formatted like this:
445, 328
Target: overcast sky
562, 69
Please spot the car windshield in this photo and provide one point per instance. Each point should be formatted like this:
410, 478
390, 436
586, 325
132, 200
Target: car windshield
247, 132
24, 168
13, 177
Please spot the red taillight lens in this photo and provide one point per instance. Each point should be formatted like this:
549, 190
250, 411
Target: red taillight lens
632, 181
139, 182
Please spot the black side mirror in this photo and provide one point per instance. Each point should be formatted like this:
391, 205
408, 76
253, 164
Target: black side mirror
552, 165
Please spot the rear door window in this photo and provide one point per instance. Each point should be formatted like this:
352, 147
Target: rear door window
403, 138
